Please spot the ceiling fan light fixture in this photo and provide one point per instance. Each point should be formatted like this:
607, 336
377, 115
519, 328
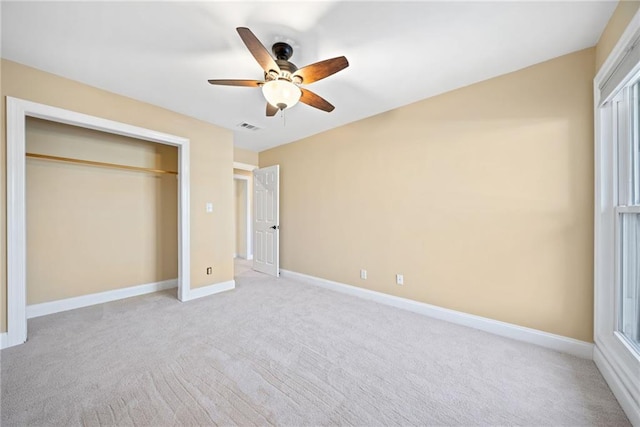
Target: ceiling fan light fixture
282, 78
281, 93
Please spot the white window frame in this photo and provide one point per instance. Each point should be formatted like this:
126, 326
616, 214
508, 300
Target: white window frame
618, 361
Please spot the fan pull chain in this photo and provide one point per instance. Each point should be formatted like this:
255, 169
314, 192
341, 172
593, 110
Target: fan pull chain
284, 119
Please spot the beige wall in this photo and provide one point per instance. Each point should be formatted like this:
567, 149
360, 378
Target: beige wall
482, 197
245, 156
117, 228
614, 29
212, 154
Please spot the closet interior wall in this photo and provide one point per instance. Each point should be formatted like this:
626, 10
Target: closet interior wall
92, 229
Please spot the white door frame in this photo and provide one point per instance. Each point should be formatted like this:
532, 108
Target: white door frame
247, 217
17, 112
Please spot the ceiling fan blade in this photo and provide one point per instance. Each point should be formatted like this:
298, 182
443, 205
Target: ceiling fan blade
257, 49
315, 101
271, 110
248, 83
320, 70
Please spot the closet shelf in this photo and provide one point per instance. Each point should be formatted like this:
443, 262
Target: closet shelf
101, 164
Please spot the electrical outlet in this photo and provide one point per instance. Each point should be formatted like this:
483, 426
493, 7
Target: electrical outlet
209, 270
363, 274
399, 279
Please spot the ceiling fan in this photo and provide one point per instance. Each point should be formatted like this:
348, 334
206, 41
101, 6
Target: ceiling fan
282, 79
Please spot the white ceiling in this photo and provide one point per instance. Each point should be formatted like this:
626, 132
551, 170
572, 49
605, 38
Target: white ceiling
399, 52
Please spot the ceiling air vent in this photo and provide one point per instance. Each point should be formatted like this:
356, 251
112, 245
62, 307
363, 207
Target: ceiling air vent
248, 126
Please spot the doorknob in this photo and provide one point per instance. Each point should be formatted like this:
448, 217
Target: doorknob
274, 227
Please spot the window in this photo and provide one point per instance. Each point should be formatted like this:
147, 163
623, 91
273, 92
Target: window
626, 110
617, 221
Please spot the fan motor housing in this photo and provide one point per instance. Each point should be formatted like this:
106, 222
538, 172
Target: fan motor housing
286, 66
283, 51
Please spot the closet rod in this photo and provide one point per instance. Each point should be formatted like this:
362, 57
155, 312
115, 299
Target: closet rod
102, 164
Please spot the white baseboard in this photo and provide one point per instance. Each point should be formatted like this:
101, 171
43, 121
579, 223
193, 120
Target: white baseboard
627, 402
3, 340
555, 342
211, 289
37, 310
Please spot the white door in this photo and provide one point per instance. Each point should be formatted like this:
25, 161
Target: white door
266, 228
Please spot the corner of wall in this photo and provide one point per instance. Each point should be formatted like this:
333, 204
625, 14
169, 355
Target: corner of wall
240, 155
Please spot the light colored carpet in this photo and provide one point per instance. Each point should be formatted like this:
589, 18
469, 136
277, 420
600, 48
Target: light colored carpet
242, 266
278, 352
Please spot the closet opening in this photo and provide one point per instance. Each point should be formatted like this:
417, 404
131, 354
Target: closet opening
94, 208
102, 214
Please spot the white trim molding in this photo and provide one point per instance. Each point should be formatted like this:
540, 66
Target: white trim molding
16, 224
244, 166
3, 340
629, 405
216, 288
45, 308
533, 336
17, 112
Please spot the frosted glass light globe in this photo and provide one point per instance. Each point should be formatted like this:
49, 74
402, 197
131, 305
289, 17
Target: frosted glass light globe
281, 93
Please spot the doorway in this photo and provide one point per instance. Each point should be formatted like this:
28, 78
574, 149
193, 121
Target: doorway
242, 205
